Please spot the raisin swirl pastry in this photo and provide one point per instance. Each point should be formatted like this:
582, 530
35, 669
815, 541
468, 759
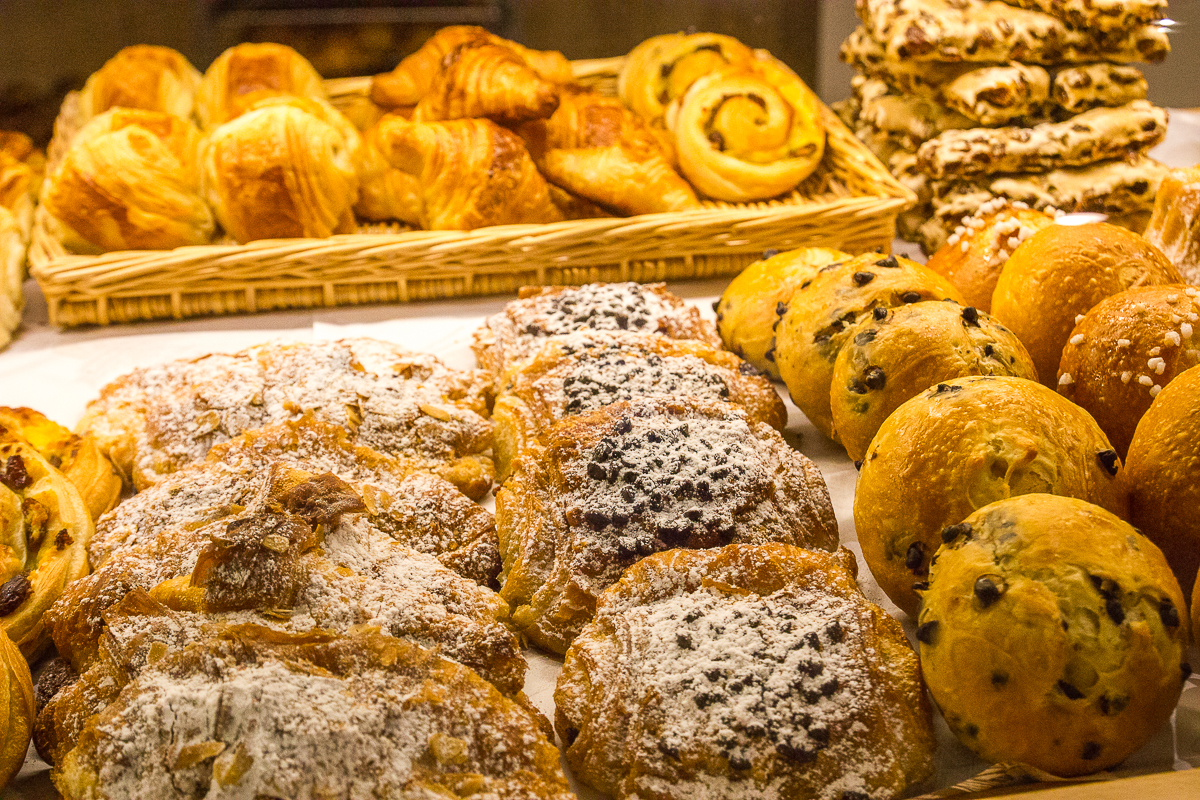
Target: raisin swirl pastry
599, 491
314, 716
1052, 634
662, 68
581, 372
519, 331
407, 405
744, 672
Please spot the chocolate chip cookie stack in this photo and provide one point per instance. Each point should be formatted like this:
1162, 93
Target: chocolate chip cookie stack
1031, 100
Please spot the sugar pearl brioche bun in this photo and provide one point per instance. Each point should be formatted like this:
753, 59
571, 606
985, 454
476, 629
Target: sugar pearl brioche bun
885, 362
963, 444
1052, 634
1125, 350
1163, 475
749, 309
16, 710
973, 256
1061, 272
822, 312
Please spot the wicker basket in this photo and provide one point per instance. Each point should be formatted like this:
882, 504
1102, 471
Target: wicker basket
850, 202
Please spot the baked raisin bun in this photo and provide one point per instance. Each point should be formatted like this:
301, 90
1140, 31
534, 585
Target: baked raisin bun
751, 306
1125, 350
1162, 475
580, 372
1061, 272
973, 256
713, 673
1052, 634
823, 310
886, 361
600, 491
960, 445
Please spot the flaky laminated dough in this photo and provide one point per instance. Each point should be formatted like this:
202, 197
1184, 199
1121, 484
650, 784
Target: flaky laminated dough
958, 446
1052, 634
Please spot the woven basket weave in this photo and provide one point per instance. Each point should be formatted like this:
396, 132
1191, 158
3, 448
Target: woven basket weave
850, 202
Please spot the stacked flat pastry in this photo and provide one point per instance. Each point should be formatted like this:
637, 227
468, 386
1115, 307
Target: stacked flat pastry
21, 168
1029, 100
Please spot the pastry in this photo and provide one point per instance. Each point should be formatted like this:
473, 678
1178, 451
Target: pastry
471, 173
909, 121
575, 374
385, 192
246, 73
595, 147
76, 457
1163, 476
988, 30
747, 132
973, 256
1174, 226
662, 68
16, 713
417, 509
1079, 88
520, 330
294, 555
599, 491
960, 445
407, 405
1125, 350
142, 76
1062, 271
867, 56
892, 357
748, 671
1000, 94
280, 172
750, 307
361, 714
1052, 634
129, 182
477, 79
413, 77
1096, 135
822, 311
12, 274
46, 530
1104, 15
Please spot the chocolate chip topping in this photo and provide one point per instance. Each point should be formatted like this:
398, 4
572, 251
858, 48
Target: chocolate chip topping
608, 373
862, 278
1168, 614
1091, 751
927, 632
952, 532
910, 297
888, 263
880, 314
970, 316
914, 557
1109, 460
874, 378
1069, 690
865, 337
987, 591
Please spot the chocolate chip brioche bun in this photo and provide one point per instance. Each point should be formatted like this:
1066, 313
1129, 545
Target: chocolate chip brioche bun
1052, 634
752, 305
1061, 272
973, 256
824, 309
887, 361
1125, 350
963, 444
1162, 475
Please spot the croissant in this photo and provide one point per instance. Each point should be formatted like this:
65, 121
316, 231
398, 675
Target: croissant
129, 182
747, 133
662, 68
246, 73
472, 173
279, 172
143, 76
385, 192
412, 78
595, 147
486, 80
16, 180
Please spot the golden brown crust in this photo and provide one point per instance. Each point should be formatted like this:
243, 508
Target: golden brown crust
822, 311
477, 79
1061, 272
578, 373
384, 191
597, 492
816, 692
885, 362
518, 332
662, 68
1125, 350
142, 76
959, 446
16, 710
1052, 634
1163, 476
248, 72
749, 309
1174, 225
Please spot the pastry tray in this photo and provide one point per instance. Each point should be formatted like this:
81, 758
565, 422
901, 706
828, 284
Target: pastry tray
851, 202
